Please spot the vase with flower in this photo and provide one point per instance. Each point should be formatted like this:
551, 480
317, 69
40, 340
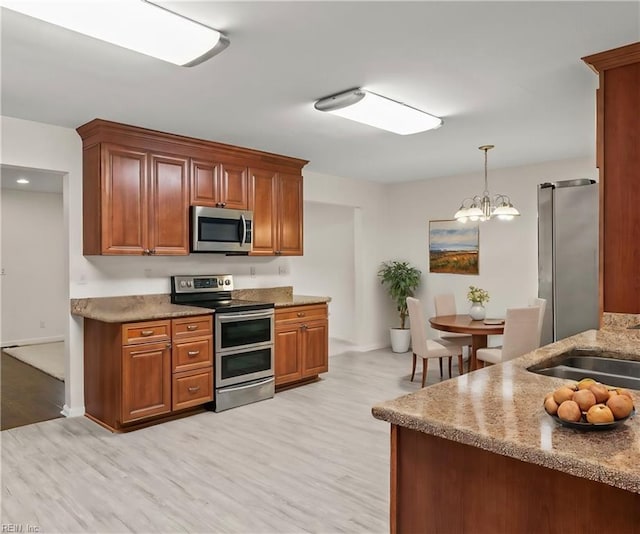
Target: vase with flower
477, 297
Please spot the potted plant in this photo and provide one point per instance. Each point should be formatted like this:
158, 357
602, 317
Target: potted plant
477, 297
401, 280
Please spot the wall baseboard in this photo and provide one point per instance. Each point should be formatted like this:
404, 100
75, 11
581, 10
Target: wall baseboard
72, 412
32, 341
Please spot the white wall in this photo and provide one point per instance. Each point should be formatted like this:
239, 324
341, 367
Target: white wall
328, 264
508, 249
34, 296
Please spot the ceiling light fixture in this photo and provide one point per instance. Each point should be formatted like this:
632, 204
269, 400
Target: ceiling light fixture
138, 25
369, 108
485, 207
22, 181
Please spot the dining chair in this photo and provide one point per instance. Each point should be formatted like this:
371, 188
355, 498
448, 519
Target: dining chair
520, 336
542, 306
445, 304
427, 348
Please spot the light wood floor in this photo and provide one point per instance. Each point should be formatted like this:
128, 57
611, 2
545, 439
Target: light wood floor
312, 459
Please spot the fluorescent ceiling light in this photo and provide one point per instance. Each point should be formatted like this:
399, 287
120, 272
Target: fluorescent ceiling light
134, 24
369, 108
22, 181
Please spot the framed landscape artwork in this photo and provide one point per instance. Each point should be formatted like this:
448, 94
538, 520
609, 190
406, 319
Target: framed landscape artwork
454, 247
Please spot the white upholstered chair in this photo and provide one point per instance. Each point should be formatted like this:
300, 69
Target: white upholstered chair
427, 348
521, 335
542, 306
445, 304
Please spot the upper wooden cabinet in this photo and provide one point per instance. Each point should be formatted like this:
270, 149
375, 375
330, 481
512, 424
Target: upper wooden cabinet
139, 184
618, 160
276, 201
221, 185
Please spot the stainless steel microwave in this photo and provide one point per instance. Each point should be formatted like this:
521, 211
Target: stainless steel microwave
221, 230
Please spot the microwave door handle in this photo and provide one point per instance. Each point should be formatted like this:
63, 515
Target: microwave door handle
244, 230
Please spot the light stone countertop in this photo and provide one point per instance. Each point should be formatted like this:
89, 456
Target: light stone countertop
133, 308
499, 409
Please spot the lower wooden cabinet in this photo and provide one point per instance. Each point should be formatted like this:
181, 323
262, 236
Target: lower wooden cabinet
141, 371
301, 343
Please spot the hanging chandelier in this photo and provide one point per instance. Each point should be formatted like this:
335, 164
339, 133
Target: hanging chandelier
484, 207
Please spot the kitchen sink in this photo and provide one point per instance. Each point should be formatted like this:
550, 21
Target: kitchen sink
603, 366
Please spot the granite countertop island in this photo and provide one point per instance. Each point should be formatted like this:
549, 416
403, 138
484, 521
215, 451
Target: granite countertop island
124, 309
499, 409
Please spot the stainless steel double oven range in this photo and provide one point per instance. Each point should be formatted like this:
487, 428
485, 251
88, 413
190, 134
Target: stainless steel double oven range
243, 338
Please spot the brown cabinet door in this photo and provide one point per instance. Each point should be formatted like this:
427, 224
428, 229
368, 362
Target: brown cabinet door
315, 348
288, 366
233, 187
621, 190
146, 381
124, 201
205, 177
262, 200
289, 221
169, 221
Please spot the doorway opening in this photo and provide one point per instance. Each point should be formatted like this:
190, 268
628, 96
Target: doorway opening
34, 302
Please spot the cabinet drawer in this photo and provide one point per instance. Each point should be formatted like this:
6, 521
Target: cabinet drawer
302, 313
186, 327
149, 331
192, 388
188, 355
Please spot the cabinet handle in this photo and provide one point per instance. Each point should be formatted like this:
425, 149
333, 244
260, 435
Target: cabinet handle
192, 327
146, 251
146, 333
218, 204
224, 204
193, 389
193, 353
300, 314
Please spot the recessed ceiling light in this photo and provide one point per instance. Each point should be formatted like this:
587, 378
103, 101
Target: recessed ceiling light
22, 181
370, 108
138, 25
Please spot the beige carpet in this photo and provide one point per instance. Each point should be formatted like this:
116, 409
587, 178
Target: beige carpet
48, 357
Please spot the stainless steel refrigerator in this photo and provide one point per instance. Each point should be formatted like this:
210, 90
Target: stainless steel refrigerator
568, 257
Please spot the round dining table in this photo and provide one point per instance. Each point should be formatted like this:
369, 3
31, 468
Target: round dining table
464, 324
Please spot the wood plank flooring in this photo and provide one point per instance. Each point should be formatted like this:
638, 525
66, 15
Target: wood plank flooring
312, 459
28, 395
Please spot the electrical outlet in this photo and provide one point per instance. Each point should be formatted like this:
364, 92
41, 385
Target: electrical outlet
282, 270
42, 325
252, 271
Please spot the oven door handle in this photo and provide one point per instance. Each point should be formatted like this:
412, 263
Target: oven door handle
229, 317
251, 384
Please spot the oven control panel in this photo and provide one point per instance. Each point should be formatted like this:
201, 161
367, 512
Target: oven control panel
202, 284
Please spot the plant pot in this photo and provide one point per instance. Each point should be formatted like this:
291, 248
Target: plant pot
400, 339
477, 311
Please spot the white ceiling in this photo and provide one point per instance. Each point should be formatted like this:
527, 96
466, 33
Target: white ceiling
39, 180
503, 73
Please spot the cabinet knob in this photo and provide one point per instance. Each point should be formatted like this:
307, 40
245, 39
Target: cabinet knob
224, 204
304, 326
146, 251
193, 389
152, 251
218, 204
146, 333
192, 327
300, 314
168, 345
193, 353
